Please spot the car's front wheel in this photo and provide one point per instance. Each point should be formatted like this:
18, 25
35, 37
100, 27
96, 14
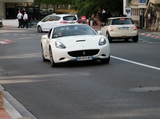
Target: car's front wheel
39, 29
135, 38
53, 64
105, 61
43, 57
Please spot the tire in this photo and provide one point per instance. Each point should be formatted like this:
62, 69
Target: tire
53, 64
126, 39
109, 37
44, 59
105, 61
135, 38
39, 29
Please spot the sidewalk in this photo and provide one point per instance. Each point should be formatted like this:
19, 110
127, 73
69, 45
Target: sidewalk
4, 114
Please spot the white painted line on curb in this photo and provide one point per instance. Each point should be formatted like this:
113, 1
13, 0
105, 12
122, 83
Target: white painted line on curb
137, 63
12, 112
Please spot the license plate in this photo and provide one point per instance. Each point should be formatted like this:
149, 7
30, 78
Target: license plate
124, 28
84, 58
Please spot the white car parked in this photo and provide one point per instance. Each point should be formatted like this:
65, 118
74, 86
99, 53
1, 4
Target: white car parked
51, 20
74, 42
120, 28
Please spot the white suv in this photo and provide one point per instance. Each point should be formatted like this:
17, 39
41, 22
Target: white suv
120, 28
51, 20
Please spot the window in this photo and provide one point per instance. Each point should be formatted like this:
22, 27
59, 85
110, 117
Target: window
69, 18
46, 19
54, 18
122, 21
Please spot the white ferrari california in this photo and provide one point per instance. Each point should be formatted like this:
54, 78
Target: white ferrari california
74, 42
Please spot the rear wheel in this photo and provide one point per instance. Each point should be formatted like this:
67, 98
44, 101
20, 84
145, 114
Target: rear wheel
39, 29
109, 37
135, 38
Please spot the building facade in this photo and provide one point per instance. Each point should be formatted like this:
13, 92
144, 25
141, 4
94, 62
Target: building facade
148, 9
9, 9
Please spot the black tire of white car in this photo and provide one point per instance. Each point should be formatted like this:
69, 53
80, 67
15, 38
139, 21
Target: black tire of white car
109, 37
44, 59
51, 58
135, 38
105, 61
39, 29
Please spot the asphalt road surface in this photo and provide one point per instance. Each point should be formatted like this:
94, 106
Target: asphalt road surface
126, 88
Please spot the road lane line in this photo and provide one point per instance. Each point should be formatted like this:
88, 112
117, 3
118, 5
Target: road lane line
137, 63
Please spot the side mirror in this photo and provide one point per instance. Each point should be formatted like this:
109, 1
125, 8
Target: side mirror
99, 32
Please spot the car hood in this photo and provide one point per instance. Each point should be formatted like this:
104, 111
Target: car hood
80, 41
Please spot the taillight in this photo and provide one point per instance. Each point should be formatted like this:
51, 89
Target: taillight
63, 22
111, 28
135, 27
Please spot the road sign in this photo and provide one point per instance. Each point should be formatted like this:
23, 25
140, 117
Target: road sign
142, 1
142, 4
83, 18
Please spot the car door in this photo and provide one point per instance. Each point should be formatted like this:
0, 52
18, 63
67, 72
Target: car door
48, 41
44, 23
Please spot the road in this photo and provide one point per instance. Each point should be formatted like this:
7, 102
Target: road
126, 88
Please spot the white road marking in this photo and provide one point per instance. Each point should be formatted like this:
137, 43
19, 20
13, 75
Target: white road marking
26, 38
5, 41
144, 40
137, 63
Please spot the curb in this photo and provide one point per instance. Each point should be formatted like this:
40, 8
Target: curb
12, 109
7, 111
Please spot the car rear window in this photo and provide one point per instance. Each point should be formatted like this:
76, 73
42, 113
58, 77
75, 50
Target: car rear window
121, 21
69, 18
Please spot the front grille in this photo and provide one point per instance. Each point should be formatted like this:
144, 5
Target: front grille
83, 53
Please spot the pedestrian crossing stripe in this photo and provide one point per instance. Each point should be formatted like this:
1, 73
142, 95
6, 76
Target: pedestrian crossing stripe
150, 35
5, 41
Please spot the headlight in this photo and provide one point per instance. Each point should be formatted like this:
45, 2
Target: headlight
102, 41
60, 45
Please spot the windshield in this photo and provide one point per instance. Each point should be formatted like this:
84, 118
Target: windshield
72, 30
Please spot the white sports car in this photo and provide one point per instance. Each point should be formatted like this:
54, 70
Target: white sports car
74, 42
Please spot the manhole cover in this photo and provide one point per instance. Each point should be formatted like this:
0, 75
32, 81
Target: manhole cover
145, 89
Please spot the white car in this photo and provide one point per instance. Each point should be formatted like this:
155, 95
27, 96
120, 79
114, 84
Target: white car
74, 42
120, 28
51, 20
